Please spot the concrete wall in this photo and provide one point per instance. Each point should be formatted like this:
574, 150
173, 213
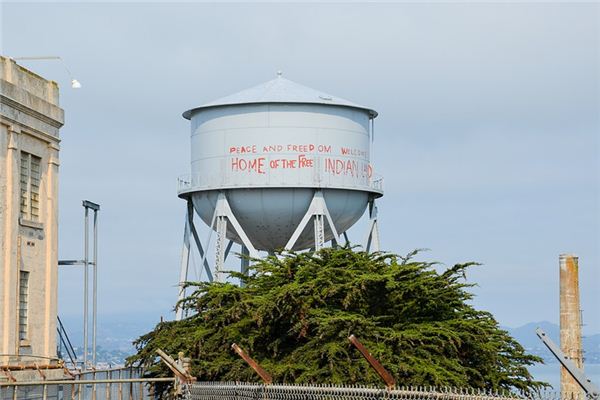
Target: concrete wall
30, 119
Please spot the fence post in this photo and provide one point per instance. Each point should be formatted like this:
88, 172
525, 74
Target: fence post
44, 392
120, 386
94, 385
108, 385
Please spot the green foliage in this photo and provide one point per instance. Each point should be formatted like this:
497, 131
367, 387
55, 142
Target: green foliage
296, 311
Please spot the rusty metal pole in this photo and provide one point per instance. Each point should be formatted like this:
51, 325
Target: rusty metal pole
570, 321
389, 380
265, 376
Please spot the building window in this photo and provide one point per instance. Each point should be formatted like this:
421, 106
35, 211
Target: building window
30, 186
23, 303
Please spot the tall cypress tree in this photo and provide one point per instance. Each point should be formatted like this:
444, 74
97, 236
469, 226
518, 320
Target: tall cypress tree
296, 311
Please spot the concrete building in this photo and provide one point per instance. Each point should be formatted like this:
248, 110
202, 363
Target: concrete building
30, 119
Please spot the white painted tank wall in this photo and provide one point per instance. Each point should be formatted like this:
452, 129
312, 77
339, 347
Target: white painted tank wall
270, 159
280, 145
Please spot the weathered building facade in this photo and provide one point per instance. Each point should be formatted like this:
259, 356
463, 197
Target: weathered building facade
30, 118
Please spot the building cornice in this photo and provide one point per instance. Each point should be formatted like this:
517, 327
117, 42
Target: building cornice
31, 112
24, 129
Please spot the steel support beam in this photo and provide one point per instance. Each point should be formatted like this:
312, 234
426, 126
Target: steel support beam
591, 390
183, 270
389, 380
189, 231
221, 217
346, 238
245, 262
317, 210
220, 248
264, 375
190, 216
372, 242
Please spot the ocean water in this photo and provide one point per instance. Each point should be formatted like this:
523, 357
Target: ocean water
551, 373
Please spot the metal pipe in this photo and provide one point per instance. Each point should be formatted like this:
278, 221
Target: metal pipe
264, 375
85, 287
574, 371
95, 290
381, 371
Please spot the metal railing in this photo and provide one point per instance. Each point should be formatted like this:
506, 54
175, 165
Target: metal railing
253, 391
114, 384
192, 182
315, 176
63, 342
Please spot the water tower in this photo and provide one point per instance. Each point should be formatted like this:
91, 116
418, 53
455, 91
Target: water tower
278, 166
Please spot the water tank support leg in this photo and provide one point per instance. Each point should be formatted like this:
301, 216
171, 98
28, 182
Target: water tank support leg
220, 247
372, 240
185, 262
198, 245
346, 238
190, 221
222, 216
223, 209
189, 230
317, 209
245, 262
228, 249
210, 231
319, 232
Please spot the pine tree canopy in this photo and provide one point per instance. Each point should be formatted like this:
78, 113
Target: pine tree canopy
295, 311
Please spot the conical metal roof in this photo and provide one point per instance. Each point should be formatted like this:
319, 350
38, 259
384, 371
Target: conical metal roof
280, 90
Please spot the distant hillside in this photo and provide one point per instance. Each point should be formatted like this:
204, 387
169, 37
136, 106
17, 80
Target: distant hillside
526, 336
116, 332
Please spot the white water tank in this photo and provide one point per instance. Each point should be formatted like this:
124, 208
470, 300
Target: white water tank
269, 149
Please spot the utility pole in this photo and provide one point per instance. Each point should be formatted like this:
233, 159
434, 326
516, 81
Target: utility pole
88, 205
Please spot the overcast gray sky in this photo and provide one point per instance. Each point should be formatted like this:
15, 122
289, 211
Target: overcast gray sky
487, 135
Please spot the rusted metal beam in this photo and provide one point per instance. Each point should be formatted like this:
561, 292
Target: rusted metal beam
389, 380
68, 372
8, 374
265, 376
177, 369
24, 367
37, 367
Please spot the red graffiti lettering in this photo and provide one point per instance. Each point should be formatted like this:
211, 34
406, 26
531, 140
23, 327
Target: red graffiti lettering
256, 165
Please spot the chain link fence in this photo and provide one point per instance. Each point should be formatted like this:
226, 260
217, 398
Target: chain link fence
252, 391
